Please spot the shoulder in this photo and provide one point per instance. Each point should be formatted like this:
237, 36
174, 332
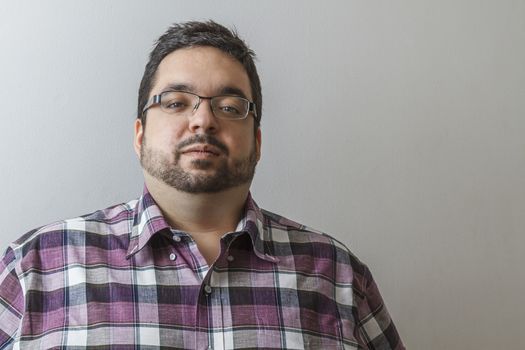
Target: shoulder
282, 229
301, 240
113, 220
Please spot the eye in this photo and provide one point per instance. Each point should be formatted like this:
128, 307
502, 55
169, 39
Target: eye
230, 109
177, 101
174, 105
230, 106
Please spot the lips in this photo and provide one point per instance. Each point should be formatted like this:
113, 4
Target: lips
202, 149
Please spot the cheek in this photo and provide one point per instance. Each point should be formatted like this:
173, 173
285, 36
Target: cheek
242, 145
163, 136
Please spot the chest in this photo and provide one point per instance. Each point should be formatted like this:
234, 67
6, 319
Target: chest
167, 296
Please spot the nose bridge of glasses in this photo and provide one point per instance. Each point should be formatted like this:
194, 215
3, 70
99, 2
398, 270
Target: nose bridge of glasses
199, 101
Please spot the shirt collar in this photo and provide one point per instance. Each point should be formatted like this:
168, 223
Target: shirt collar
253, 222
148, 220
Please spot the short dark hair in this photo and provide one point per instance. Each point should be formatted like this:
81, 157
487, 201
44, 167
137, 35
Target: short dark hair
194, 34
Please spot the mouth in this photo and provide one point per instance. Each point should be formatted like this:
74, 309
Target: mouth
204, 150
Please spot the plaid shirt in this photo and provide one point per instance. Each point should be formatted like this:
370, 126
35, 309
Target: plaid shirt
121, 278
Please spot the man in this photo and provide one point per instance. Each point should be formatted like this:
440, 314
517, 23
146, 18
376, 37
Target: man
193, 263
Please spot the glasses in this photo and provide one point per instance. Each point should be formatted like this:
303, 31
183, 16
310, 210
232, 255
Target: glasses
184, 104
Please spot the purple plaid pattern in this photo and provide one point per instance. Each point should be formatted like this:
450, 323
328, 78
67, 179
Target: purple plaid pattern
121, 278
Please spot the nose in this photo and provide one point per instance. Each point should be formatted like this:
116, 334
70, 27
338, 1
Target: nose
203, 118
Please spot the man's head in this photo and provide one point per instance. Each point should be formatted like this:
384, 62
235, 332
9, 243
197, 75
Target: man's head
201, 111
194, 34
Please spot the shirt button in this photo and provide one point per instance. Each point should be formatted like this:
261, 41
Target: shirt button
207, 289
176, 238
230, 258
173, 256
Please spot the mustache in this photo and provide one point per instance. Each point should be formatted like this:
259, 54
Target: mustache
203, 138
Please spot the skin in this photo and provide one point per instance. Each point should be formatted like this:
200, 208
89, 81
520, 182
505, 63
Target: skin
205, 216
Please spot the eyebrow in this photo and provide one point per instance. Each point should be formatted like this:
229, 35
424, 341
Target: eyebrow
225, 90
230, 90
182, 87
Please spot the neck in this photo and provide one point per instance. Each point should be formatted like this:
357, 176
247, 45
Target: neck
202, 213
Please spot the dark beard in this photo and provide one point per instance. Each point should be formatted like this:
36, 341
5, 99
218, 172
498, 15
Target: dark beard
171, 173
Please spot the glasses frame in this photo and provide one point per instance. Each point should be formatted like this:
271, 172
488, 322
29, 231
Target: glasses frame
155, 100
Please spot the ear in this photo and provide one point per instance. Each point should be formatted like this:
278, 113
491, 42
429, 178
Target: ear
139, 136
258, 143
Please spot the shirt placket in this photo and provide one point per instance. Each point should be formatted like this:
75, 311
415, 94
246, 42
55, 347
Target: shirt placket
218, 307
212, 307
221, 309
200, 269
203, 310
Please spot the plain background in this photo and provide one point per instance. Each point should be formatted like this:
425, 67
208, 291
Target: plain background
396, 126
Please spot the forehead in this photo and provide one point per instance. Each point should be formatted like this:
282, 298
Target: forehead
204, 70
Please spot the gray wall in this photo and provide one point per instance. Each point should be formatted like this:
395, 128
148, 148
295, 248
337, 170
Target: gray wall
396, 126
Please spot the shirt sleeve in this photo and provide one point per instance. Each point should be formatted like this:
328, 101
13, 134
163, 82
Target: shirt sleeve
11, 300
375, 326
